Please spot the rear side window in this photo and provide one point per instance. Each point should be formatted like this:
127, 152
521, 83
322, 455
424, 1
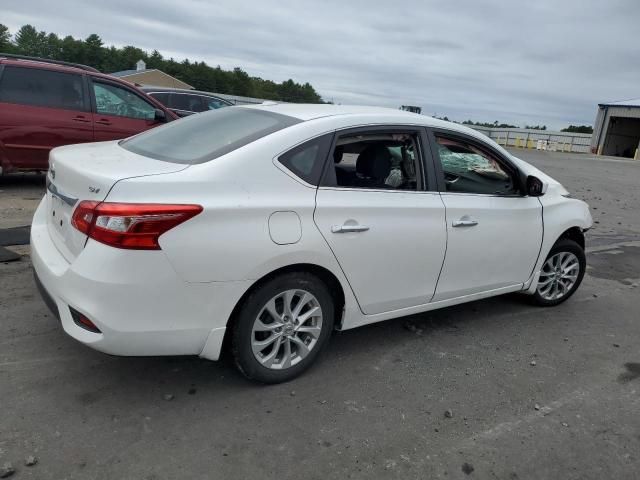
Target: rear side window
307, 160
376, 160
162, 97
42, 88
200, 138
189, 103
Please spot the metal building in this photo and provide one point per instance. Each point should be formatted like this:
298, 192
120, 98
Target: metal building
616, 130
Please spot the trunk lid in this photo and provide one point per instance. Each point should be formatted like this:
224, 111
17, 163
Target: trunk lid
88, 172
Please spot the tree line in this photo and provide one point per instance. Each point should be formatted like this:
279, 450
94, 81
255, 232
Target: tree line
496, 124
92, 51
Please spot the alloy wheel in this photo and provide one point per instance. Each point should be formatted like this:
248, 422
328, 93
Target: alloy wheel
558, 276
286, 329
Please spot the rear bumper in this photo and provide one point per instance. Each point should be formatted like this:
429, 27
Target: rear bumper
135, 298
48, 299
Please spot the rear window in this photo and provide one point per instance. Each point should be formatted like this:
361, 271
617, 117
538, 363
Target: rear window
200, 138
42, 88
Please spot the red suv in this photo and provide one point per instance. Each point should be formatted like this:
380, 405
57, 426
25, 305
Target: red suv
45, 104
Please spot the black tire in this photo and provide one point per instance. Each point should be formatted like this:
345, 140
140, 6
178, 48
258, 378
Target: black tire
563, 245
242, 329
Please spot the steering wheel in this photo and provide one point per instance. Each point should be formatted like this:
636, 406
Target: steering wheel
451, 178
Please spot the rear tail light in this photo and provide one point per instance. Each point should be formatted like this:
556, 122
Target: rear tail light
130, 225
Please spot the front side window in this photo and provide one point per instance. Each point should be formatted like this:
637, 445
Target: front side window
387, 161
469, 169
42, 88
200, 138
121, 102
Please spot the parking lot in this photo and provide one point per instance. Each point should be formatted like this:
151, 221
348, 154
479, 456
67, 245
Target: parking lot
491, 389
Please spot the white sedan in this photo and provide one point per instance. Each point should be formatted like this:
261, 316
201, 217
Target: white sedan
265, 228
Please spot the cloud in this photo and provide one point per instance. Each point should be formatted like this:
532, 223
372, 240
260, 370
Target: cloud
521, 62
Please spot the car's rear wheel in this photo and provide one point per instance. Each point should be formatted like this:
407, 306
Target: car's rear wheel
561, 273
282, 327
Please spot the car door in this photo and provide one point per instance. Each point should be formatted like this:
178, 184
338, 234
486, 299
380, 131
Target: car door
41, 109
376, 213
494, 231
119, 112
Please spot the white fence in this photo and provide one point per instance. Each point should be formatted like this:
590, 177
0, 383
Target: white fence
539, 139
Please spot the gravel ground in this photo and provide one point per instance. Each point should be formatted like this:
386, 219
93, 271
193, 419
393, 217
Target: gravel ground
19, 197
491, 389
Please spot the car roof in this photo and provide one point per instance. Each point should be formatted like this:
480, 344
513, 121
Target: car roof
44, 64
151, 88
313, 111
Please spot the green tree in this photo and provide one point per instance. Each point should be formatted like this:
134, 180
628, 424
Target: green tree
29, 41
578, 129
72, 50
241, 83
93, 52
5, 39
129, 56
155, 60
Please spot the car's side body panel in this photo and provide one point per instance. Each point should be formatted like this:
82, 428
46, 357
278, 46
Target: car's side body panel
28, 130
500, 251
28, 133
560, 214
396, 262
135, 298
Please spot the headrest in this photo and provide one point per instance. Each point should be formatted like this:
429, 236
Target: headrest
374, 162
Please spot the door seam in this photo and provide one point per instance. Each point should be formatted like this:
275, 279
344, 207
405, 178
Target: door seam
344, 274
446, 246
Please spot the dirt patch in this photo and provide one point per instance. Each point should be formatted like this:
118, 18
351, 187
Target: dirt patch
632, 372
621, 264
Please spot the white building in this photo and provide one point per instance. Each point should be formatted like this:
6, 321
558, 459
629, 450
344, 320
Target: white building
616, 130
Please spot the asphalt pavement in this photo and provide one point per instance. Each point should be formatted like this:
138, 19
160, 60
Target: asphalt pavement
490, 389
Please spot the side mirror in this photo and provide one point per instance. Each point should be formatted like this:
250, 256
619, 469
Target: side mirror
160, 116
535, 186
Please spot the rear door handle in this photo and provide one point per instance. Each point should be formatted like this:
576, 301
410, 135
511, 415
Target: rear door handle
103, 122
349, 228
465, 223
81, 118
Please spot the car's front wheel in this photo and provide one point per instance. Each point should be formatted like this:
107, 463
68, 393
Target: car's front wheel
561, 273
282, 327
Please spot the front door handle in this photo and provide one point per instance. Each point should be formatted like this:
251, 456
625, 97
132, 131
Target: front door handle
465, 223
103, 122
348, 228
81, 118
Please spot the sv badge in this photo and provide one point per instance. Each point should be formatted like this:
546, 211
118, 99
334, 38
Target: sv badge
94, 189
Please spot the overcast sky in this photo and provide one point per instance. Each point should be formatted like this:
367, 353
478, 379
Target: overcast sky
543, 61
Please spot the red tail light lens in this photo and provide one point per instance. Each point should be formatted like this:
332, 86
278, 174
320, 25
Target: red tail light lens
84, 322
130, 225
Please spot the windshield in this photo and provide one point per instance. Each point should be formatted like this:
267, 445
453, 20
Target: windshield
203, 137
